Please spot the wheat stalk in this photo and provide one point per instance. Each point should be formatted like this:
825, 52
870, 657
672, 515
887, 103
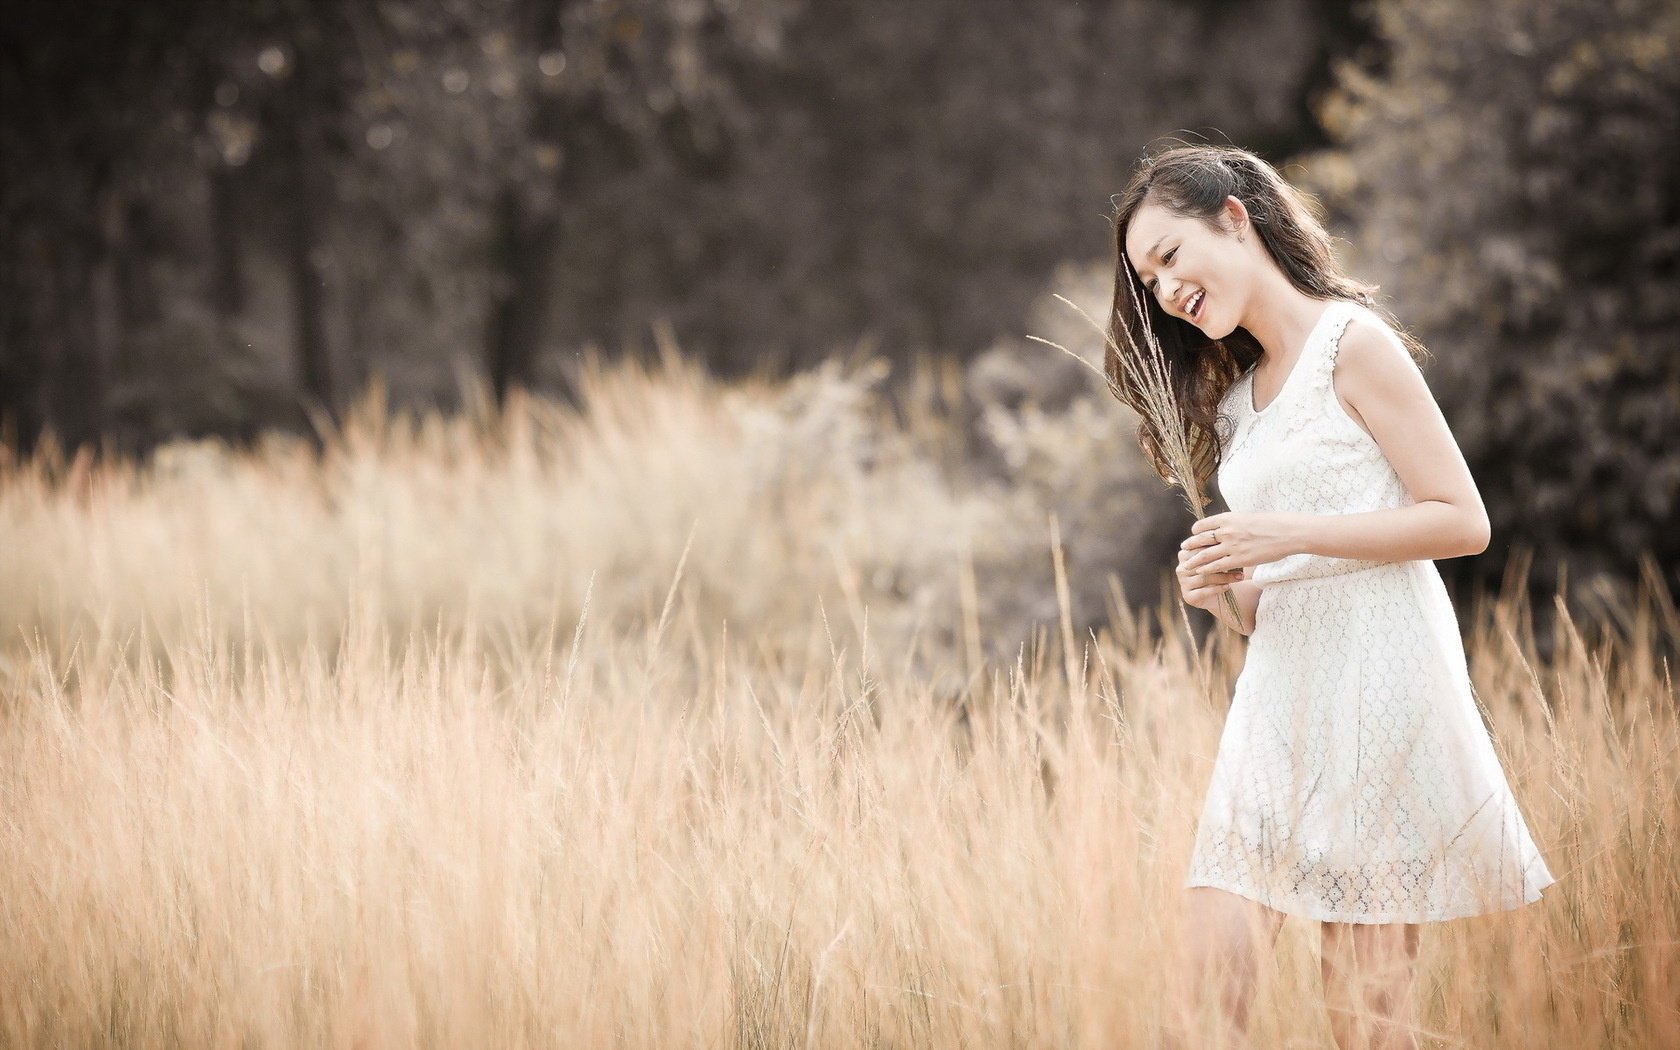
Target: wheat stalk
1147, 370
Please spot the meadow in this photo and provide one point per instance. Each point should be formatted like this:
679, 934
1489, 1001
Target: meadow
687, 718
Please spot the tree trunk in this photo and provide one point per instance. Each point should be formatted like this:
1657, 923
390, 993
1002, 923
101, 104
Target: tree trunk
227, 274
529, 229
25, 375
304, 159
79, 386
523, 259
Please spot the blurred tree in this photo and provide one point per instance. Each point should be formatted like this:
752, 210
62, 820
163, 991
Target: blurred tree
314, 76
86, 89
596, 91
1514, 179
210, 210
925, 166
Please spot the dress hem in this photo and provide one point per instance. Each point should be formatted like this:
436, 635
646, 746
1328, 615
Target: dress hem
1307, 910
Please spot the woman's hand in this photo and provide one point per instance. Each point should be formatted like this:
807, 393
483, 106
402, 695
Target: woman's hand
1221, 543
1204, 590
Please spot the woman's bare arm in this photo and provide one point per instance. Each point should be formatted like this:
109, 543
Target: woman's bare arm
1384, 389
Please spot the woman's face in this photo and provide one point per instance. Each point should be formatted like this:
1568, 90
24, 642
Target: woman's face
1195, 274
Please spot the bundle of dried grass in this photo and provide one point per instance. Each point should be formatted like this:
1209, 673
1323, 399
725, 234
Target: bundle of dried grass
1146, 367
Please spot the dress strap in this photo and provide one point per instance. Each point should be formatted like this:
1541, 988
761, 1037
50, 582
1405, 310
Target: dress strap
1232, 416
1333, 340
1319, 363
1329, 342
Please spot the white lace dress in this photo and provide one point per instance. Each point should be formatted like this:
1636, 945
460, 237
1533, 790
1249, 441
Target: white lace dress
1355, 780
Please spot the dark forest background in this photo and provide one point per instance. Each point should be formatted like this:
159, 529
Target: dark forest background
222, 218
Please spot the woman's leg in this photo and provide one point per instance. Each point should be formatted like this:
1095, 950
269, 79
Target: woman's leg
1369, 983
1224, 938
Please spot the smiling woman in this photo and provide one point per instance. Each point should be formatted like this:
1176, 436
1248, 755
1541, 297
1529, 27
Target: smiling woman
1355, 783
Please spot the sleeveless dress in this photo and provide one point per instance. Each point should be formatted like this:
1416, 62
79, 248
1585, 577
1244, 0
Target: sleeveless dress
1355, 780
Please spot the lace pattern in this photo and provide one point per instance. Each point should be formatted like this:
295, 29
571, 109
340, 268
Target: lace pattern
1355, 780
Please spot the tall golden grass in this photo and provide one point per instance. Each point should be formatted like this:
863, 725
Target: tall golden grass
554, 728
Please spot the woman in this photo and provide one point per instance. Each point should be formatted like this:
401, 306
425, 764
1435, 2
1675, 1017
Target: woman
1355, 783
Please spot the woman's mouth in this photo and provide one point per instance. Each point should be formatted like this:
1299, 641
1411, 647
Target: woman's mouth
1194, 306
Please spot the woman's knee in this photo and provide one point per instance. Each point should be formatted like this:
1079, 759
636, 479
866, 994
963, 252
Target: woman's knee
1382, 953
1223, 925
1372, 941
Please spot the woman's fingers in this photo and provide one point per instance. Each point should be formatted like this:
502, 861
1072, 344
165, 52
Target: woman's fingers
1199, 539
1198, 559
1202, 587
1217, 575
1214, 579
1202, 597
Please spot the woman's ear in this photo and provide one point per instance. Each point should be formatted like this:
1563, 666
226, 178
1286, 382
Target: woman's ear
1236, 215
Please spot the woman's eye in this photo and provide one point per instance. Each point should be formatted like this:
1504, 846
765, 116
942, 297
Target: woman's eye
1166, 259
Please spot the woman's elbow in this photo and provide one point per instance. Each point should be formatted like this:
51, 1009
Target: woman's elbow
1478, 532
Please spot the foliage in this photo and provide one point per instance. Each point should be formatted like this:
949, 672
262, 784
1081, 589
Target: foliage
437, 190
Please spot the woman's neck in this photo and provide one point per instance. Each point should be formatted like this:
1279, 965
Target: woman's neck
1280, 321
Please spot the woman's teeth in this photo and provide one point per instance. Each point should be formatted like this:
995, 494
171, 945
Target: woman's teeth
1195, 305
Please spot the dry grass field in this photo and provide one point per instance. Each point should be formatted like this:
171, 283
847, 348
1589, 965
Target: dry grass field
673, 722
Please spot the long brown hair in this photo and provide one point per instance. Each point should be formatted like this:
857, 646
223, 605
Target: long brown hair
1193, 181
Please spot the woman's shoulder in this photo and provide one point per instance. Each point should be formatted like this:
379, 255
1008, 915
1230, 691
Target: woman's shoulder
1369, 334
1370, 360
